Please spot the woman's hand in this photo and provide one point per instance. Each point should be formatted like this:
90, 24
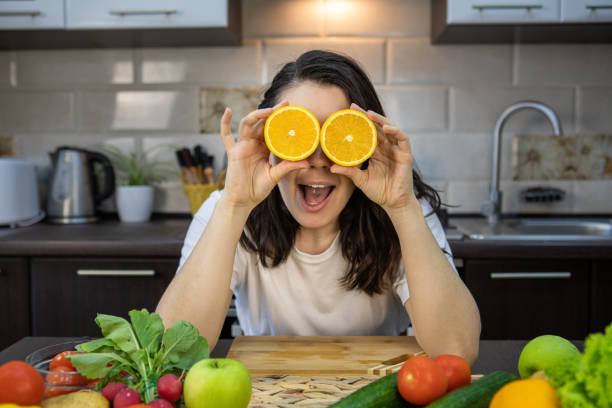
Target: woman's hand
388, 179
250, 176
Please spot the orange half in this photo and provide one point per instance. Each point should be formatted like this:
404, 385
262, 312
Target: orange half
348, 137
292, 133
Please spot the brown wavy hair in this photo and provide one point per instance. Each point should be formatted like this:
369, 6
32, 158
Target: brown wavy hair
368, 239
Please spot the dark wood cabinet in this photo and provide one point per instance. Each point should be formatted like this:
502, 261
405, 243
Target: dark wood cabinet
601, 296
67, 293
14, 300
522, 299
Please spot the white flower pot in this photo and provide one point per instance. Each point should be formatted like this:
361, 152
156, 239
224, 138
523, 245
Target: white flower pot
134, 203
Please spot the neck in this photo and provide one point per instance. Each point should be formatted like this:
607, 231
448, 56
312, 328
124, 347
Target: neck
315, 240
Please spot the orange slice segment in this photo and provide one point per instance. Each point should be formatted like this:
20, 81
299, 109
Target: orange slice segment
292, 133
348, 137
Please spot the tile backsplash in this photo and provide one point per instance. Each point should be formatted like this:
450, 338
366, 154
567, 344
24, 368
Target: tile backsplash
447, 98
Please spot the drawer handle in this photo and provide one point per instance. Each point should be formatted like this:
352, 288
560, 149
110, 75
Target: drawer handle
20, 13
595, 7
528, 7
124, 13
531, 275
115, 272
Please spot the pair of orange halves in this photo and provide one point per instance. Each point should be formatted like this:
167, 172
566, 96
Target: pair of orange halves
348, 137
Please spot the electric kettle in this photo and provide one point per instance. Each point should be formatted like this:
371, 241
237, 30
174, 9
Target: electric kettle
74, 192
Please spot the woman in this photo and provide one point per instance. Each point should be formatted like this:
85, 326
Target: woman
314, 248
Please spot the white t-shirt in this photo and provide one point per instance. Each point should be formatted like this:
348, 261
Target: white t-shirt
302, 296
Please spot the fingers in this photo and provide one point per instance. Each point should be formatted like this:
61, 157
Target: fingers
356, 107
357, 175
253, 123
396, 135
283, 168
226, 133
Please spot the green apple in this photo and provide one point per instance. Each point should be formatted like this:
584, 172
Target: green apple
543, 352
216, 383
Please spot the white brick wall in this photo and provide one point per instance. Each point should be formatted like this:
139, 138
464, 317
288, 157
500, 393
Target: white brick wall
446, 97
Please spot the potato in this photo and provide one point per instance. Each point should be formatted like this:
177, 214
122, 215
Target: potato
79, 399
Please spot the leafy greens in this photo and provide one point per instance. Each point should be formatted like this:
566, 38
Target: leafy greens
138, 354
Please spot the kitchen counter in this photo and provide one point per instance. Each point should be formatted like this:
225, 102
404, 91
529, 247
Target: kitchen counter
163, 237
494, 354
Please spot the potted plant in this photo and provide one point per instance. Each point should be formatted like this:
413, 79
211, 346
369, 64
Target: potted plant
136, 174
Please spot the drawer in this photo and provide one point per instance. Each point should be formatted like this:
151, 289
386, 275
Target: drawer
126, 14
586, 11
31, 14
502, 11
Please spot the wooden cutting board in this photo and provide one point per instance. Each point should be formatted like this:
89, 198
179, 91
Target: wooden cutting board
320, 355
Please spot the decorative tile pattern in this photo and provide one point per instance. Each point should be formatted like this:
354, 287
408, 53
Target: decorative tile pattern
575, 157
213, 102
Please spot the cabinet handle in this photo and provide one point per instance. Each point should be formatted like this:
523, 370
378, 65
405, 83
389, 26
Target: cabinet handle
124, 13
531, 275
20, 13
528, 7
115, 272
595, 7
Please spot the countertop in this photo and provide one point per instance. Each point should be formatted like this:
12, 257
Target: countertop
163, 237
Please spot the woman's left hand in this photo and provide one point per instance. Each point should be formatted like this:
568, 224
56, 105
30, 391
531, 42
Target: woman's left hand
388, 179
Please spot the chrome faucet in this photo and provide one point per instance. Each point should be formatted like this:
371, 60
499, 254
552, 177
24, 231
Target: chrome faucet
492, 207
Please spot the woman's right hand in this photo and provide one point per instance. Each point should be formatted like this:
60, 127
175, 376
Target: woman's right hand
250, 176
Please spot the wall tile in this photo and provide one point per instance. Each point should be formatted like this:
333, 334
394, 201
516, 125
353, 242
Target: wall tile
206, 65
45, 111
593, 197
140, 110
378, 18
595, 109
5, 69
417, 61
368, 52
264, 18
564, 64
477, 109
170, 198
513, 203
50, 68
416, 108
466, 196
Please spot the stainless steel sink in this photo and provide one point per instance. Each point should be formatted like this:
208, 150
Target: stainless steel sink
558, 229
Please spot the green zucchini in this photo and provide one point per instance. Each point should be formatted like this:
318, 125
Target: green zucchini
380, 393
475, 395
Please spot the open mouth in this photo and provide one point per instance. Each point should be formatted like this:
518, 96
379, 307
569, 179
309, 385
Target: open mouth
314, 196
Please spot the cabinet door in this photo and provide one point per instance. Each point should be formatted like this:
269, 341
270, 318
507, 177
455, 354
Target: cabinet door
524, 299
601, 290
502, 12
15, 300
586, 11
31, 14
122, 14
67, 293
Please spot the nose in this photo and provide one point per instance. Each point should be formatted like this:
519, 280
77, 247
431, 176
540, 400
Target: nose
319, 159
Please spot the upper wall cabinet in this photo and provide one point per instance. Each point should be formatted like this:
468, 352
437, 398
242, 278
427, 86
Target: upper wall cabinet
33, 14
521, 21
120, 23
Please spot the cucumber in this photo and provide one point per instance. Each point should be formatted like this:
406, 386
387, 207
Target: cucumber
475, 395
380, 393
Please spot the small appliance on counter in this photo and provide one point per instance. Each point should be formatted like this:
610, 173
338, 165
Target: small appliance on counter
19, 202
74, 192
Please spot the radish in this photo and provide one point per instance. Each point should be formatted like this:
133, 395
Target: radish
161, 403
170, 387
126, 397
111, 389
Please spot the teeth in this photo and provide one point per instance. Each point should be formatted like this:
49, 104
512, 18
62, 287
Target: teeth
316, 185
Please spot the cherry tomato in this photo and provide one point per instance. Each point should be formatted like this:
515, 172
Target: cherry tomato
20, 384
421, 380
457, 370
57, 377
61, 360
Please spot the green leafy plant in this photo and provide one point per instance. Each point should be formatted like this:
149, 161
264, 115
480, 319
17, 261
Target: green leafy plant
138, 354
135, 168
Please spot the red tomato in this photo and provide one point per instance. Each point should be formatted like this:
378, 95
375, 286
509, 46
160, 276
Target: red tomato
20, 384
92, 383
60, 360
421, 380
69, 378
457, 370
